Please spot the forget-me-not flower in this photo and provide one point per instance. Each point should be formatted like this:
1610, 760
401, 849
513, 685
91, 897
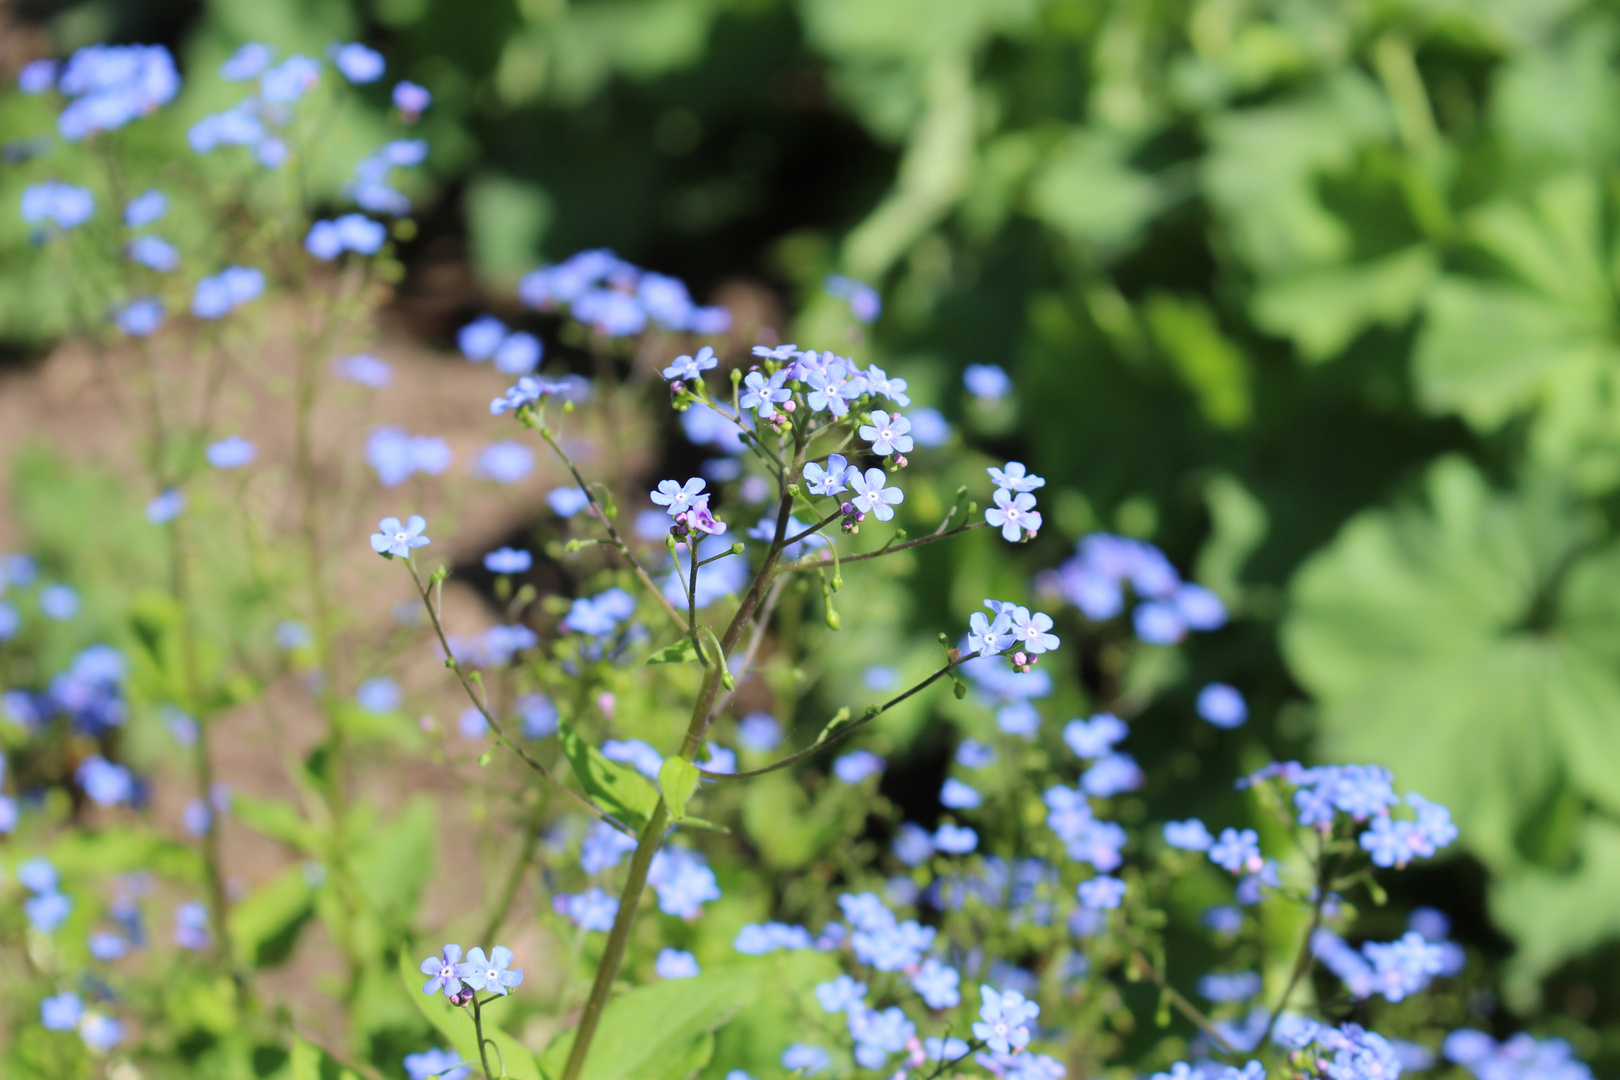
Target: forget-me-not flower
393, 539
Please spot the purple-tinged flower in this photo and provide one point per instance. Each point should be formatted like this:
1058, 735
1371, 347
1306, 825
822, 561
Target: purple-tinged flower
358, 63
676, 964
830, 392
290, 80
441, 972
1014, 478
987, 382
1101, 892
191, 926
955, 839
872, 497
411, 100
878, 382
1014, 515
1189, 835
37, 76
493, 973
1031, 631
394, 540
887, 434
231, 452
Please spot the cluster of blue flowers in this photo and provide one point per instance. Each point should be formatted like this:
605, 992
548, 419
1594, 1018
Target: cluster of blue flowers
1096, 577
618, 299
460, 980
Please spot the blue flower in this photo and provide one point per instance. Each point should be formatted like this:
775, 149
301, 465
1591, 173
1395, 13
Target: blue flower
878, 382
526, 391
100, 1032
678, 498
760, 939
479, 339
762, 394
1237, 851
145, 208
61, 1012
683, 881
364, 369
759, 732
154, 253
441, 972
872, 497
217, 296
358, 63
519, 354
1226, 987
973, 754
857, 765
567, 501
1014, 515
887, 434
107, 947
864, 302
505, 462
959, 796
987, 636
508, 561
537, 714
62, 203
604, 848
140, 317
1004, 1020
104, 783
692, 367
247, 62
1095, 737
490, 973
10, 621
843, 994
676, 964
393, 539
1101, 892
601, 614
829, 479
59, 602
1222, 706
165, 507
938, 984
112, 85
411, 100
292, 635
1199, 607
987, 382
290, 80
1189, 835
809, 1060
350, 232
955, 839
37, 76
1014, 478
231, 452
378, 695
589, 910
436, 1064
929, 427
1112, 775
47, 910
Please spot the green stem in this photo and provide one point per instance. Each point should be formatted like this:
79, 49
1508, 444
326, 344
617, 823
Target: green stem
478, 1029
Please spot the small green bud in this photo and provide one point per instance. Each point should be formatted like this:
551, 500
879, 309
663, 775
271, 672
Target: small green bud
973, 508
833, 621
669, 541
484, 759
837, 582
960, 691
727, 681
793, 490
568, 407
573, 546
736, 377
737, 549
450, 662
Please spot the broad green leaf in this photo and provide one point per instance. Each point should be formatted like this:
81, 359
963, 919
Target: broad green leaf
1463, 645
264, 926
666, 1017
277, 818
618, 789
1553, 916
1209, 364
1089, 194
786, 828
122, 850
456, 1025
1322, 310
679, 653
678, 778
393, 861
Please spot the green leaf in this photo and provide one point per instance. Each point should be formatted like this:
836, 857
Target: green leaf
279, 819
1087, 192
786, 828
394, 861
456, 1025
1552, 916
667, 1018
679, 779
1323, 309
618, 789
681, 652
265, 926
1209, 364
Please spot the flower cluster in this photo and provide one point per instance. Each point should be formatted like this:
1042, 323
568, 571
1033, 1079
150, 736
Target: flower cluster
618, 299
1096, 577
459, 980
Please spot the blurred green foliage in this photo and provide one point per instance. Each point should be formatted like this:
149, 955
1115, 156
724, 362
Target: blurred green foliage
1320, 295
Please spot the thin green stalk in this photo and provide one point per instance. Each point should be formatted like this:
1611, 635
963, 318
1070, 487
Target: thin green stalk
478, 1028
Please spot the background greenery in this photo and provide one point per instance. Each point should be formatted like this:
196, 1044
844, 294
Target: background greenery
1320, 296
